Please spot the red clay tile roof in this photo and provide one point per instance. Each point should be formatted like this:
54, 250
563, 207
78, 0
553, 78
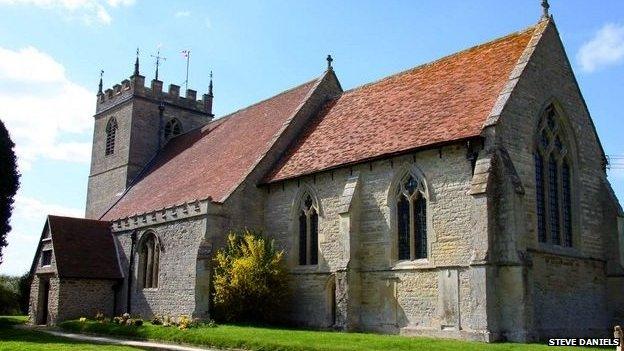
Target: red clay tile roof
448, 99
213, 160
83, 248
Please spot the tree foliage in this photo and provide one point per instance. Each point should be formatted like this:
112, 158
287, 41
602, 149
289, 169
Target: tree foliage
250, 279
14, 294
9, 182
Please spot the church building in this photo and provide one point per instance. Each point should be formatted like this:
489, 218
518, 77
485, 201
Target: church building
464, 198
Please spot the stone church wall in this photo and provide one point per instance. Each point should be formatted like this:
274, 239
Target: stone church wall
108, 174
84, 298
559, 273
418, 297
175, 293
560, 282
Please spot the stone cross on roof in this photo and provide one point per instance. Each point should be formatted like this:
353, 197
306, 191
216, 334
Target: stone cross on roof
545, 7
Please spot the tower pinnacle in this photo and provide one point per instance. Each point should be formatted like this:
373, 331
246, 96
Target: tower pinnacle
100, 85
210, 86
158, 58
136, 64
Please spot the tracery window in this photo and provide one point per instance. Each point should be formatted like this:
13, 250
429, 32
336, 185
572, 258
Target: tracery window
412, 219
553, 182
149, 259
172, 128
308, 231
111, 133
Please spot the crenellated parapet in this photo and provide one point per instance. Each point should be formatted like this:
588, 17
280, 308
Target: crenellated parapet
176, 212
135, 87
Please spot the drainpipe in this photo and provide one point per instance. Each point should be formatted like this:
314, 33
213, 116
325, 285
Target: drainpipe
131, 270
115, 288
161, 121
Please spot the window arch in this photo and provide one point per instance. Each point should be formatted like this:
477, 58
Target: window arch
553, 181
307, 217
172, 128
111, 133
149, 260
411, 203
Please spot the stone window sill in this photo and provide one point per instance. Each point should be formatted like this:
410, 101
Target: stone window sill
422, 263
305, 269
149, 289
558, 250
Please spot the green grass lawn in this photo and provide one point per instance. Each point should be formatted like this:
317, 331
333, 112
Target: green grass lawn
21, 339
265, 338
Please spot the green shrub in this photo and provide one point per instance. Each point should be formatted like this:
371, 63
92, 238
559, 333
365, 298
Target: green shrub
9, 300
250, 279
156, 320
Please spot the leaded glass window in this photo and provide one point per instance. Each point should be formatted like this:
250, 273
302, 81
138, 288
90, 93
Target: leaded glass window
308, 232
149, 260
567, 205
539, 197
553, 182
411, 210
553, 201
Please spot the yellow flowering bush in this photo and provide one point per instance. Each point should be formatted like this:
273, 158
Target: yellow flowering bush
250, 278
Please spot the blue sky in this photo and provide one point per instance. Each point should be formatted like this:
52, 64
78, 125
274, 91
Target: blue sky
51, 53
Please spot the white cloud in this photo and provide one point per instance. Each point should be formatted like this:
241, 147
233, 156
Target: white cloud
33, 210
115, 3
604, 49
42, 109
89, 11
181, 14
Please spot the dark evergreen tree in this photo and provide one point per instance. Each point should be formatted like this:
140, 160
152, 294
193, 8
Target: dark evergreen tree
9, 182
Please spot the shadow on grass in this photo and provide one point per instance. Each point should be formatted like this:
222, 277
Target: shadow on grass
22, 337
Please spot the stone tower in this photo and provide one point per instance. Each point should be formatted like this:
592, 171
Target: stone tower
132, 123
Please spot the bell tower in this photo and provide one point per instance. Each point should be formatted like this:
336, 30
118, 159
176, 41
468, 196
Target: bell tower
131, 123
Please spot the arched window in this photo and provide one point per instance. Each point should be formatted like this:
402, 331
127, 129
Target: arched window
111, 132
172, 128
149, 259
308, 231
411, 211
553, 179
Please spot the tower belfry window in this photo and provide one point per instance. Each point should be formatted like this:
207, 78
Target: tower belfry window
172, 128
111, 133
553, 181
